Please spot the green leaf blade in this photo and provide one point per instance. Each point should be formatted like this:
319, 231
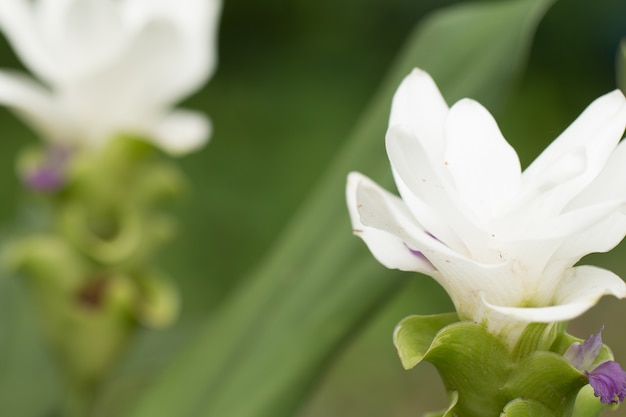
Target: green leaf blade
260, 354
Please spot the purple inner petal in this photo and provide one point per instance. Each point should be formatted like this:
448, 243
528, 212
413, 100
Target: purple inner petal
582, 355
45, 178
50, 174
415, 252
609, 382
419, 255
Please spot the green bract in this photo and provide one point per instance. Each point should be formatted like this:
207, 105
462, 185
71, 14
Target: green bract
489, 379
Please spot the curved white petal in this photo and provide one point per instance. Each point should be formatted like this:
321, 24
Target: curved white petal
181, 131
387, 247
574, 159
485, 168
429, 193
464, 279
608, 185
580, 290
546, 197
143, 77
19, 24
34, 103
392, 234
196, 23
420, 186
599, 126
419, 105
573, 222
126, 96
602, 237
80, 36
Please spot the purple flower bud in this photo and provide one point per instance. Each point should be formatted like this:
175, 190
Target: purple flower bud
582, 355
50, 174
45, 179
609, 382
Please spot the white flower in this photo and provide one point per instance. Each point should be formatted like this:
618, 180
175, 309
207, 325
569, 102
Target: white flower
109, 67
500, 241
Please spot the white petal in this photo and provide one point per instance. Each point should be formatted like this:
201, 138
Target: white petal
199, 21
126, 96
181, 131
419, 105
387, 247
34, 103
608, 185
598, 127
544, 199
421, 188
465, 279
602, 237
580, 290
145, 75
20, 26
80, 35
196, 21
485, 168
461, 277
574, 222
575, 158
429, 193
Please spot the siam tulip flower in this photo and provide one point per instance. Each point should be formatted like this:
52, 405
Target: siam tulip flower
607, 379
503, 243
110, 67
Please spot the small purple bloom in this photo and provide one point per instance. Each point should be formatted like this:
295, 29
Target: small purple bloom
45, 179
50, 174
609, 382
582, 355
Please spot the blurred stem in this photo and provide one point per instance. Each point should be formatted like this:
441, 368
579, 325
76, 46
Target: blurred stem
78, 400
90, 266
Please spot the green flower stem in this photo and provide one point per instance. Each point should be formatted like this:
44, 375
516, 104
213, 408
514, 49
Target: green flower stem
259, 354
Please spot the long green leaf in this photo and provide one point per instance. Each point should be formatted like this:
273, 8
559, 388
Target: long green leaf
259, 355
29, 381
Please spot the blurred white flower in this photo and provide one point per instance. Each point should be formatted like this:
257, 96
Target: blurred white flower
500, 241
109, 67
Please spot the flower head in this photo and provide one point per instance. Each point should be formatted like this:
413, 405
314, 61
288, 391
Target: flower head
501, 242
110, 67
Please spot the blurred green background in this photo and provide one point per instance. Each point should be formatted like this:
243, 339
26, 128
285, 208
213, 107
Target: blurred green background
292, 79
